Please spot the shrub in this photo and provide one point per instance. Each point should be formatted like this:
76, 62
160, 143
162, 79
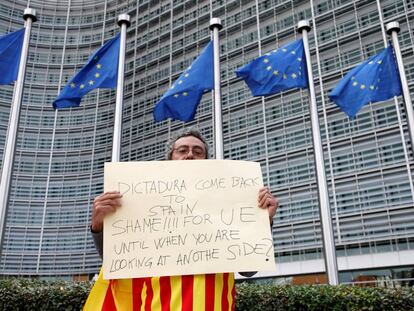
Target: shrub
250, 297
32, 294
28, 294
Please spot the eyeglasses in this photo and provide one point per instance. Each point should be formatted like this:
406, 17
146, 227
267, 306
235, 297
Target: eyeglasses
197, 151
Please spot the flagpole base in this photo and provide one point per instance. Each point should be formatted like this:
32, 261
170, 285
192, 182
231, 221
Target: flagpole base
393, 26
28, 12
215, 23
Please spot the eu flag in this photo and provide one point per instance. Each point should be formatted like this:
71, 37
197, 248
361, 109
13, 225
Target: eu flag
277, 71
376, 79
100, 71
181, 100
10, 51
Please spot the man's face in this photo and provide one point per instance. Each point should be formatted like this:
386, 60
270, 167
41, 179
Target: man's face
188, 148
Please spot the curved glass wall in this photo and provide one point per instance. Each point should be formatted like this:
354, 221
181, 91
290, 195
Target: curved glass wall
59, 158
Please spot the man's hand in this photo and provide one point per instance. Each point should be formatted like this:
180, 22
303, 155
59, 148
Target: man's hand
267, 200
103, 205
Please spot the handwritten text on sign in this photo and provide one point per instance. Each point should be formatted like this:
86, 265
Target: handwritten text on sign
186, 217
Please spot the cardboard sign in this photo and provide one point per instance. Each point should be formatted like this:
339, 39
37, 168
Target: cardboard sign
186, 217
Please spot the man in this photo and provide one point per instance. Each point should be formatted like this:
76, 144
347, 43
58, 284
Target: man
189, 292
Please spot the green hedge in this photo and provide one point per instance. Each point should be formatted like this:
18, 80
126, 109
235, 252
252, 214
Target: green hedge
25, 294
322, 297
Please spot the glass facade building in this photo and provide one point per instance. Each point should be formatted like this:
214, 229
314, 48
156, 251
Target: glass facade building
58, 164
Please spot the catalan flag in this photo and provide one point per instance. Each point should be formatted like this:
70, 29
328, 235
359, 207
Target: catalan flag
10, 50
100, 71
276, 71
376, 79
203, 292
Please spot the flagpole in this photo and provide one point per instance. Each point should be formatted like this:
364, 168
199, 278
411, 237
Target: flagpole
123, 22
397, 109
215, 26
392, 29
29, 16
324, 209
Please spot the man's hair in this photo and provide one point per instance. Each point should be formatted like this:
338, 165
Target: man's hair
186, 132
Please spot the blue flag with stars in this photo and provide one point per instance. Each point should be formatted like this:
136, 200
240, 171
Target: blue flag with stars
376, 79
100, 71
10, 51
276, 71
181, 100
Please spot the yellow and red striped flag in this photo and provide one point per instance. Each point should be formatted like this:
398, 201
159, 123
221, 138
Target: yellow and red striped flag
202, 292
